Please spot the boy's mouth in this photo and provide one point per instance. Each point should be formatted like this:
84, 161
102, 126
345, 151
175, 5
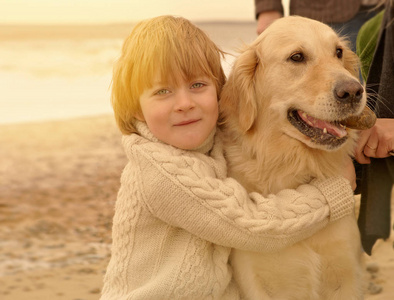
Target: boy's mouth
187, 122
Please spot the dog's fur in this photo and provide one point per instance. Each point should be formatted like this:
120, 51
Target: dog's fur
295, 64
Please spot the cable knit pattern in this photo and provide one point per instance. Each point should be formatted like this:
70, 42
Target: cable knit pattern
193, 277
177, 217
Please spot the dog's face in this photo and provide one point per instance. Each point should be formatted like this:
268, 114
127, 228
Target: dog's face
302, 76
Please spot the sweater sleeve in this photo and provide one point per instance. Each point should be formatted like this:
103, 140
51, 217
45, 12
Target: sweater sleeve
267, 5
176, 190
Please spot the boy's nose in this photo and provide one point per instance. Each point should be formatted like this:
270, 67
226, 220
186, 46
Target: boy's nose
184, 101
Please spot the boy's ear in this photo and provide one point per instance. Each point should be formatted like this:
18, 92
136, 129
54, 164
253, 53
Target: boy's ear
139, 116
238, 96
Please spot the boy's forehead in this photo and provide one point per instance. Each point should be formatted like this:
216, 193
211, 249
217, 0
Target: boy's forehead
163, 78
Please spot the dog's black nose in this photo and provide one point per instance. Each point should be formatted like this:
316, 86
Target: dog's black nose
349, 91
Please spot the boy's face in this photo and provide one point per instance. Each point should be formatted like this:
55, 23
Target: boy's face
182, 116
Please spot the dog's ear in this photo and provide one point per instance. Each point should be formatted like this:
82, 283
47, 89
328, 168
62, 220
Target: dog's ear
238, 96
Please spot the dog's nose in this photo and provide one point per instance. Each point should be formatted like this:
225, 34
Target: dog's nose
348, 91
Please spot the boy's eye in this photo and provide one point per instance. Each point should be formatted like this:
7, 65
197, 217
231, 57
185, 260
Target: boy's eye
197, 85
162, 92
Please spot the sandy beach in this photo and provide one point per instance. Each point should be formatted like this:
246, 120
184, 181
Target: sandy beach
58, 187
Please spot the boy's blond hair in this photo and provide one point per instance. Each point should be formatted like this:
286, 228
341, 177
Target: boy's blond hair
171, 45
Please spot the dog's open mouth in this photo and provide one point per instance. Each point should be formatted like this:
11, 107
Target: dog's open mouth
321, 132
332, 134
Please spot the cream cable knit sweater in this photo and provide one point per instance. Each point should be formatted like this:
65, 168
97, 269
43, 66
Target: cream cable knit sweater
177, 217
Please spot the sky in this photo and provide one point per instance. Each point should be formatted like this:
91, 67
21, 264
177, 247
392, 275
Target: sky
118, 11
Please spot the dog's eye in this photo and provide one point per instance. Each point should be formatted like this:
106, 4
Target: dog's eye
339, 52
297, 57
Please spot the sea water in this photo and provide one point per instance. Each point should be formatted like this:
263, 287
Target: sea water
60, 72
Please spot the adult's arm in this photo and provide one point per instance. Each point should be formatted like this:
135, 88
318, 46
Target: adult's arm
267, 11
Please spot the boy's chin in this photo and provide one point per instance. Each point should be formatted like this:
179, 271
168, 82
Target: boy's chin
196, 143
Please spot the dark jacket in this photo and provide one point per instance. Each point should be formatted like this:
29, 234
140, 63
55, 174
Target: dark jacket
378, 177
327, 11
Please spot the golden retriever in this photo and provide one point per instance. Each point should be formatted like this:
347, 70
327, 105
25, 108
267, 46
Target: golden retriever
283, 110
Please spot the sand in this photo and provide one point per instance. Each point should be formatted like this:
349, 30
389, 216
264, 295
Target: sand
58, 185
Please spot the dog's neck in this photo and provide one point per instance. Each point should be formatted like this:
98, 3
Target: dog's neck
280, 163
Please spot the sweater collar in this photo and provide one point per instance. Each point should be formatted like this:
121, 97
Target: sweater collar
143, 130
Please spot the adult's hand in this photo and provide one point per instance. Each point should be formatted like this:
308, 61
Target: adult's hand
377, 142
266, 18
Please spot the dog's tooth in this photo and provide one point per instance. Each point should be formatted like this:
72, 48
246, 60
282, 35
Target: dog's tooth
304, 115
325, 130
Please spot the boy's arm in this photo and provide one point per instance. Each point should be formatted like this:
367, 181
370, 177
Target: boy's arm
221, 211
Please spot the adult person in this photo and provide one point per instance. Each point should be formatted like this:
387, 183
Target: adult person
346, 17
375, 149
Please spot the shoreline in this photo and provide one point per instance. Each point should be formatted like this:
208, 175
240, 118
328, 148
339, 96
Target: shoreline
15, 32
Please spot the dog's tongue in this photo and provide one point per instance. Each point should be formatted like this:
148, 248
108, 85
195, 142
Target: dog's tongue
327, 127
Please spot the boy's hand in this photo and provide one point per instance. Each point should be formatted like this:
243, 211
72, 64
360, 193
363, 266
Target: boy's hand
349, 172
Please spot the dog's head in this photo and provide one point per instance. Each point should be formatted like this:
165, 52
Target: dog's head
301, 76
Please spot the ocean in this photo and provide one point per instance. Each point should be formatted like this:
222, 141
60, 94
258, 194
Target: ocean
64, 71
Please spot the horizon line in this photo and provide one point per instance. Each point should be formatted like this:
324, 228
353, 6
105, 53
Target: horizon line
112, 23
